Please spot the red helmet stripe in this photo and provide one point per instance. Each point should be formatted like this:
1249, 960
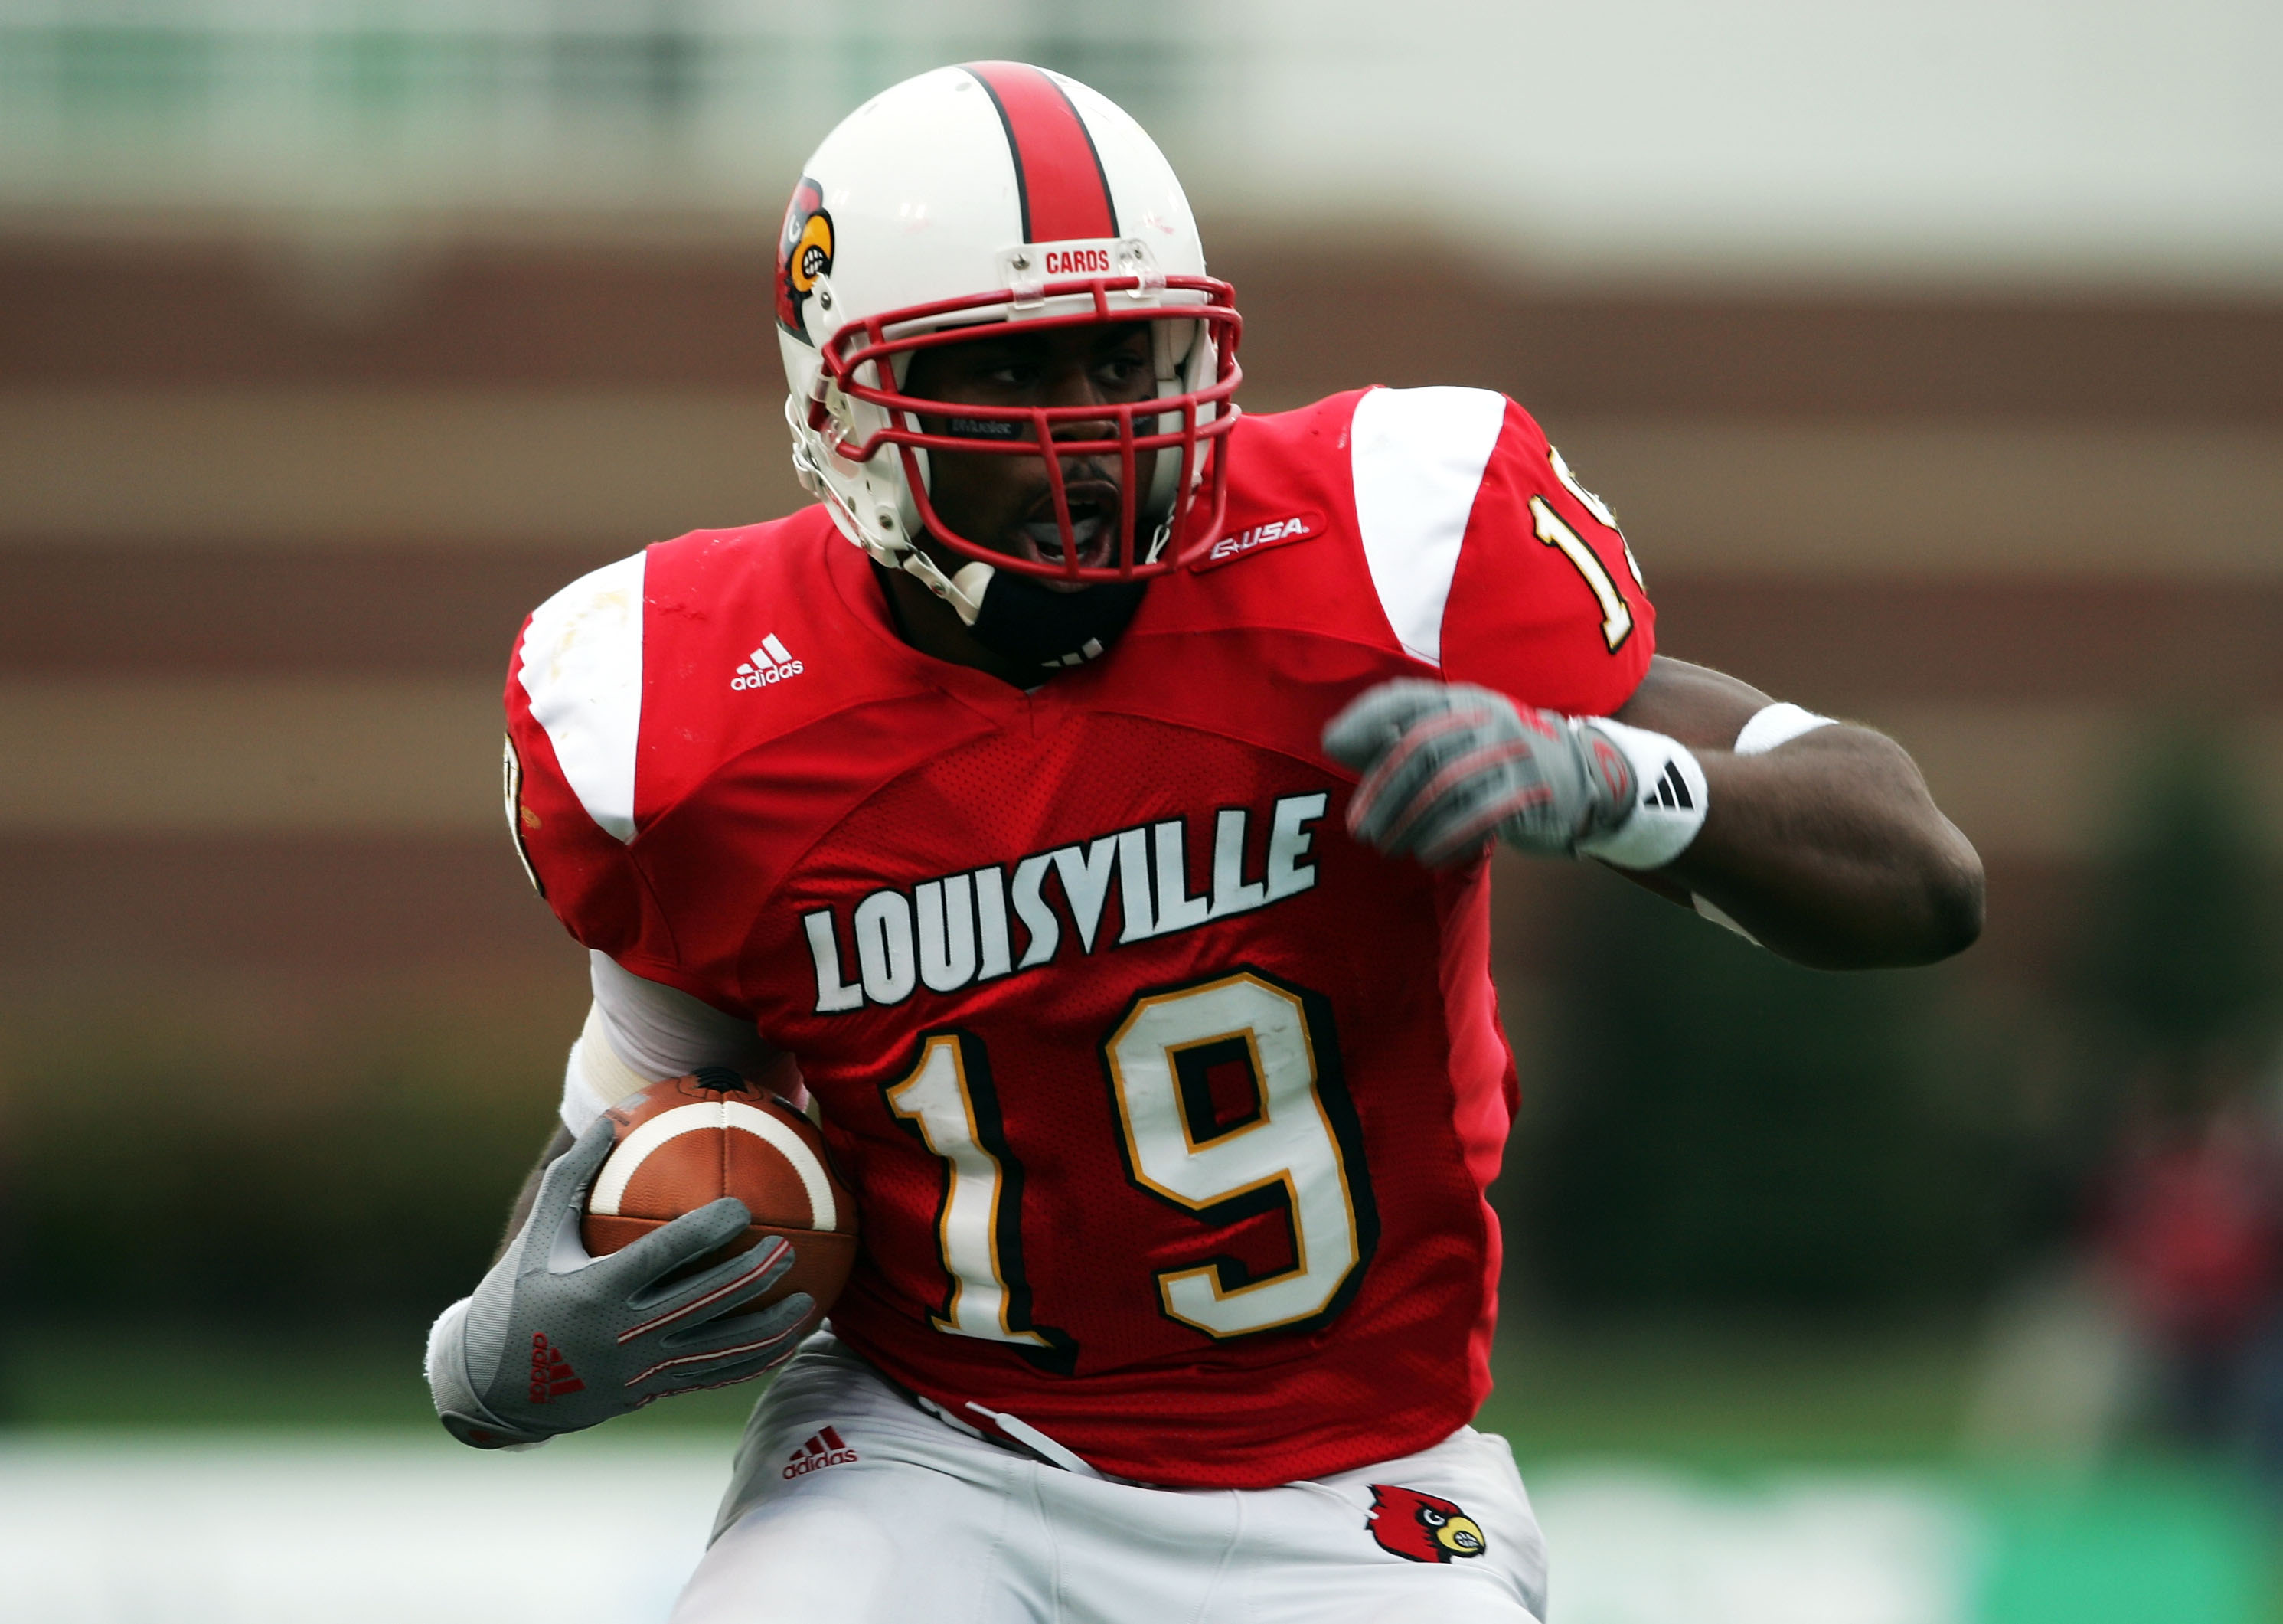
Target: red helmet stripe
1058, 175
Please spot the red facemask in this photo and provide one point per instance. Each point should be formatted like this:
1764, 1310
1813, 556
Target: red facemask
861, 360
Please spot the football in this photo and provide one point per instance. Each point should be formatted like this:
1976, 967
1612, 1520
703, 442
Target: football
691, 1140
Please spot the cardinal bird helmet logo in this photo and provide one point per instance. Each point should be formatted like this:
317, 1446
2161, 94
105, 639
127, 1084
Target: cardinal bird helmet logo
1422, 1528
804, 254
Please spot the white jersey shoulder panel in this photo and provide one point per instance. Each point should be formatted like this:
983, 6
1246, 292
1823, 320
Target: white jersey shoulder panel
1418, 457
582, 666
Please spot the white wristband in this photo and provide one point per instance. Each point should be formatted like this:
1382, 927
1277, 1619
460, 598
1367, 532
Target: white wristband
1776, 724
1669, 783
595, 1079
445, 1367
447, 1324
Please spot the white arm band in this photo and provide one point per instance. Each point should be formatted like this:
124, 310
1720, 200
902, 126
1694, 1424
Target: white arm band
639, 1031
1670, 810
445, 1365
1769, 726
661, 1031
447, 1324
1673, 793
596, 1079
1776, 724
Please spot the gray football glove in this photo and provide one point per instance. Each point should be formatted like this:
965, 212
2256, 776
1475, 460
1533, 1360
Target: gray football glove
553, 1340
1446, 766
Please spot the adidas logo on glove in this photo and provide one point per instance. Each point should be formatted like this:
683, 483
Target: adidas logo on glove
552, 1375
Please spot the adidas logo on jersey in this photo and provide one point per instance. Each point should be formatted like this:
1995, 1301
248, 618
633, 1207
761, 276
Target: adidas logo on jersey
767, 664
552, 1375
945, 933
824, 1448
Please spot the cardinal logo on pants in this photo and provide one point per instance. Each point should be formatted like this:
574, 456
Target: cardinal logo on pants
1421, 1529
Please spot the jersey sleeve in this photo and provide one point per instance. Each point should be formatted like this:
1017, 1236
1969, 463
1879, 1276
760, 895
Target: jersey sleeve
573, 706
1491, 561
1546, 602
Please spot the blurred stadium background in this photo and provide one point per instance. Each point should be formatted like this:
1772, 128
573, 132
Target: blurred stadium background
1932, 357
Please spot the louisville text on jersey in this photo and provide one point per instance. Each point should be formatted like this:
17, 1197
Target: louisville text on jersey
945, 932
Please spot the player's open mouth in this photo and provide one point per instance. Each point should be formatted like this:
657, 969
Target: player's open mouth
1094, 528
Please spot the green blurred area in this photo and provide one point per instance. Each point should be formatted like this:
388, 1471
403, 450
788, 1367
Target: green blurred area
185, 1171
1715, 1129
1678, 1392
1711, 1128
2145, 1543
1736, 1393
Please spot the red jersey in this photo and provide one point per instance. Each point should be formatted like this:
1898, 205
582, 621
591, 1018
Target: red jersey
1169, 1109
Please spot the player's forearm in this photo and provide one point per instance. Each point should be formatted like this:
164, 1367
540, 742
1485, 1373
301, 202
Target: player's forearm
1832, 853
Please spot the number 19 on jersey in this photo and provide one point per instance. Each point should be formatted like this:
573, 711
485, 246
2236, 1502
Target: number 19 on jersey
1293, 1147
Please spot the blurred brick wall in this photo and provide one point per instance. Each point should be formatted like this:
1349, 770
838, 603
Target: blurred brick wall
269, 521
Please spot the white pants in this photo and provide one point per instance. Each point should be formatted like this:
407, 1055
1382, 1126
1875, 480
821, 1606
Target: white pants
850, 1505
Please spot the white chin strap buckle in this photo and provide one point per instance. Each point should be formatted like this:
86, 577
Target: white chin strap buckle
966, 588
962, 591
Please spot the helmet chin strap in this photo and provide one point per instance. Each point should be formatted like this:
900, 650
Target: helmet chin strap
1032, 624
964, 588
962, 591
1026, 621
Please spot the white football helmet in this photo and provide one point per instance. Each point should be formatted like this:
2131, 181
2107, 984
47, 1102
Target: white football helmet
997, 193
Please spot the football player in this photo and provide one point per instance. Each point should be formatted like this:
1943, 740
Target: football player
1102, 839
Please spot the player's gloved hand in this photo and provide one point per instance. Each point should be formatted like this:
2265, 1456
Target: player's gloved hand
1446, 766
553, 1340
